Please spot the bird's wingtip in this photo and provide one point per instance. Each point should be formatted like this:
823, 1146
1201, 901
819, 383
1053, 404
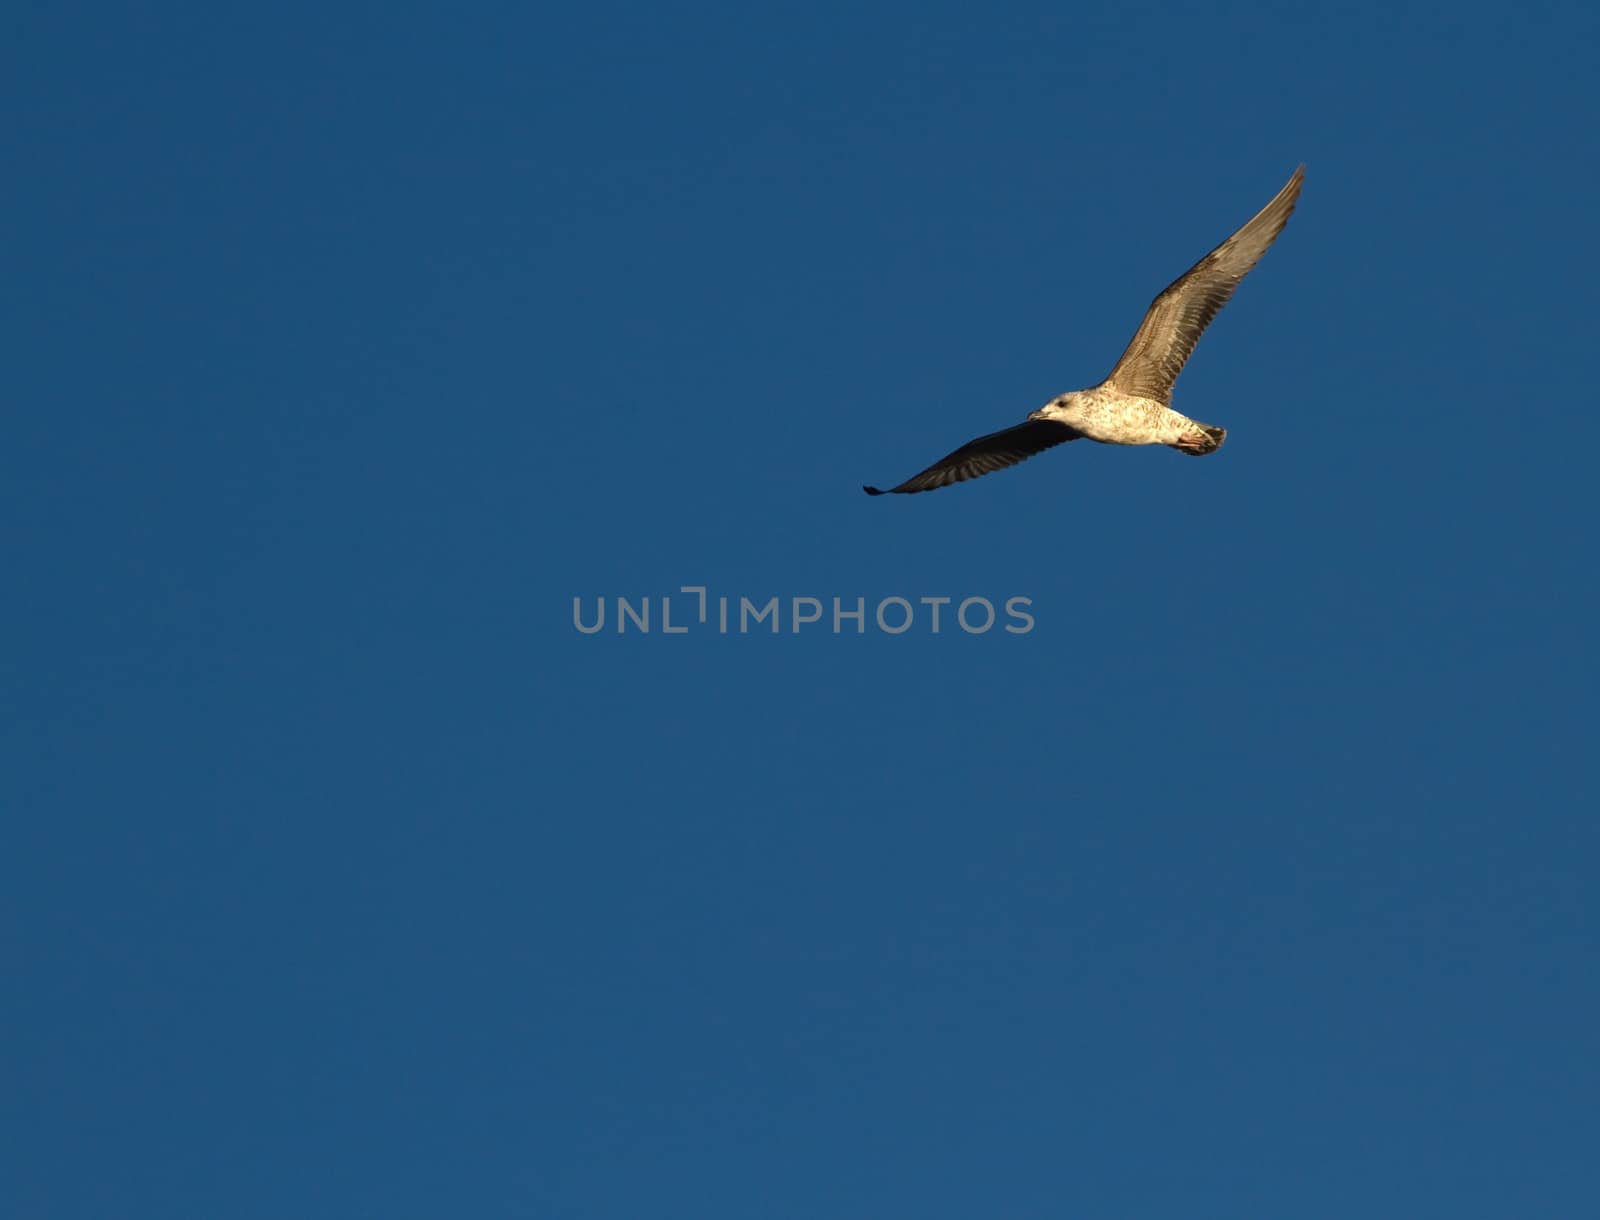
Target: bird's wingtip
873, 491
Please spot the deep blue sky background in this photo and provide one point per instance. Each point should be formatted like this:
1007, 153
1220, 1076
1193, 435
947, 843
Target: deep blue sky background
343, 877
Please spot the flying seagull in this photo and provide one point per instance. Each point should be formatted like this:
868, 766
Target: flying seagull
1132, 405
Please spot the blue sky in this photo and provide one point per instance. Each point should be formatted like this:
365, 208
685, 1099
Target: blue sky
344, 877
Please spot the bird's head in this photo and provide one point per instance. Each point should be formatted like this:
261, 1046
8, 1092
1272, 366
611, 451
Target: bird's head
1056, 408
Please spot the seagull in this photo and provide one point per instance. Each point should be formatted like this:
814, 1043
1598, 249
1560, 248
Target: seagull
1132, 405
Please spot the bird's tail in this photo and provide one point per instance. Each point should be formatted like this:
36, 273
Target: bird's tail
1205, 439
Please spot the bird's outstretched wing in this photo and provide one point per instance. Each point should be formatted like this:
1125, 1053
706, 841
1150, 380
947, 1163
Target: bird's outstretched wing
1180, 314
986, 454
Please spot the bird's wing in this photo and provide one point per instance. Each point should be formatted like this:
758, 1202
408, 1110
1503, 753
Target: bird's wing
1180, 314
987, 454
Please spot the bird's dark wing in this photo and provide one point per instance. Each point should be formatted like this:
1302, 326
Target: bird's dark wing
1180, 314
988, 453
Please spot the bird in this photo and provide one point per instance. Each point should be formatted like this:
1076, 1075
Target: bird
1132, 406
